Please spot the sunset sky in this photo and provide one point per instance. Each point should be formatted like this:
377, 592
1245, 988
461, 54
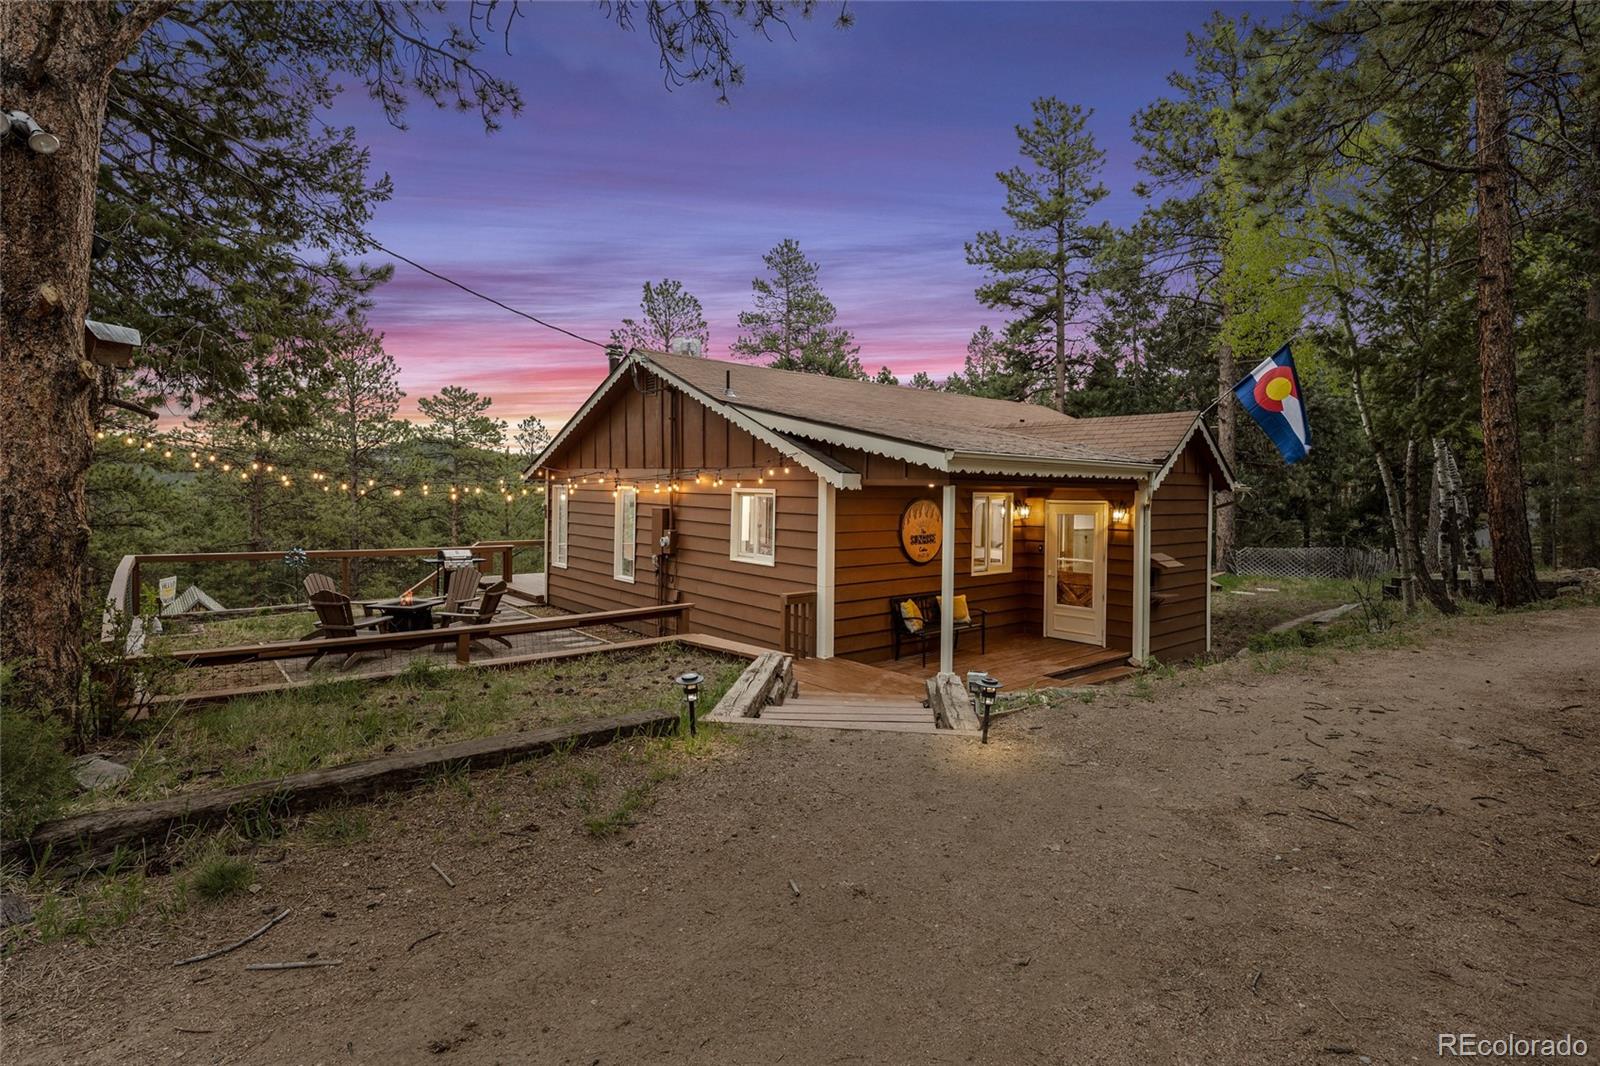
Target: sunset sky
875, 147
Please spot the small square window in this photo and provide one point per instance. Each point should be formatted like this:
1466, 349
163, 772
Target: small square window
753, 533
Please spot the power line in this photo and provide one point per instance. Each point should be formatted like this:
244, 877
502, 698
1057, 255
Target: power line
366, 239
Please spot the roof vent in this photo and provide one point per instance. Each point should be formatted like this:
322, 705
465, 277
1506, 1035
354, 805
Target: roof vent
727, 386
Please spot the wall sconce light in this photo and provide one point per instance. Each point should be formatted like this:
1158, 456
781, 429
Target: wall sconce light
1022, 510
1119, 514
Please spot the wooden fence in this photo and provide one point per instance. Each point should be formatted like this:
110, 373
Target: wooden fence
123, 598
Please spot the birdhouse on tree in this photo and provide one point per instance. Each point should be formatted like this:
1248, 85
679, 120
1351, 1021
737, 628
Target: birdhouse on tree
109, 345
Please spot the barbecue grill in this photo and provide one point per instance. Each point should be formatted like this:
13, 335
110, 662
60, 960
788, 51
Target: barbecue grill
455, 558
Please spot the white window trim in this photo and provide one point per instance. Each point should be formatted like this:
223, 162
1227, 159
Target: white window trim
733, 528
984, 567
558, 532
625, 495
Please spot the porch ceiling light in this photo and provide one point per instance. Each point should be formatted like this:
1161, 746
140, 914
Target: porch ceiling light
21, 124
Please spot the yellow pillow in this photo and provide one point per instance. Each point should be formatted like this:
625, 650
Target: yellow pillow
961, 615
912, 614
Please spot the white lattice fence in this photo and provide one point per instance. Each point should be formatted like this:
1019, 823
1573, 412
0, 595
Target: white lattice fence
1311, 562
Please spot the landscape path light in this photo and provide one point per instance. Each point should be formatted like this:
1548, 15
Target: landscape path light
691, 683
988, 687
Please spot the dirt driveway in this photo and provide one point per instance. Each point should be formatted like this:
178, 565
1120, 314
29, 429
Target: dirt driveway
1328, 864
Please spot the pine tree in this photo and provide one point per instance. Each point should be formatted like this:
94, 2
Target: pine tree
992, 368
885, 376
1036, 270
458, 423
668, 312
791, 325
531, 438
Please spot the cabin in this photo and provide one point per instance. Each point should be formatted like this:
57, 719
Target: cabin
833, 518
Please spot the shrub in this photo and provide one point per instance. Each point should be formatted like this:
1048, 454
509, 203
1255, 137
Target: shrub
34, 768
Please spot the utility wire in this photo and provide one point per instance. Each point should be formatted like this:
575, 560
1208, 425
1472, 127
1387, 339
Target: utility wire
366, 239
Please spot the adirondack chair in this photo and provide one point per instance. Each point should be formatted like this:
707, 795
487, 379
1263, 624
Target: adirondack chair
336, 618
324, 583
461, 591
479, 614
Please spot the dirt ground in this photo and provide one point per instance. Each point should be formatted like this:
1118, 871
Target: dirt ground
1329, 863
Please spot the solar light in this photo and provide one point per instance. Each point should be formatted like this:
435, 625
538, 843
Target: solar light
988, 687
691, 682
21, 124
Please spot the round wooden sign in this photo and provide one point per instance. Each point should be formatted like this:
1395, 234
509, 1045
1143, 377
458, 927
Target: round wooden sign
921, 530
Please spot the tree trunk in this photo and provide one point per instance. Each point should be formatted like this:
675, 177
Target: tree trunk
57, 61
1227, 416
1432, 557
1391, 491
1515, 580
1589, 532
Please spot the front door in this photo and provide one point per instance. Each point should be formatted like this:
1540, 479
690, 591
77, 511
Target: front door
1075, 571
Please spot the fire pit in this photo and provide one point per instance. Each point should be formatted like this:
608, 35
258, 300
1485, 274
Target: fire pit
408, 613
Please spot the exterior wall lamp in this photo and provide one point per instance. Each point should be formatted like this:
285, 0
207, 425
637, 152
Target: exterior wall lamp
691, 683
1022, 510
1119, 514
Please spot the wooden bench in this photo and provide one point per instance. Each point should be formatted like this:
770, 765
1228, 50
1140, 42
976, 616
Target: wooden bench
928, 604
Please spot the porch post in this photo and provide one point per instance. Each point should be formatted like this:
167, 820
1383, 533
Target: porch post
1211, 545
1141, 572
947, 584
827, 507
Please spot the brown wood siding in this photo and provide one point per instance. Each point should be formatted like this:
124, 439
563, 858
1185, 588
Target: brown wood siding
871, 568
631, 439
1178, 528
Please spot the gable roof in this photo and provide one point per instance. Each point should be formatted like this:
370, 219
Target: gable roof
942, 430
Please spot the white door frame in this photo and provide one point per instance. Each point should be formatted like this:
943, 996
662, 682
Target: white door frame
1102, 512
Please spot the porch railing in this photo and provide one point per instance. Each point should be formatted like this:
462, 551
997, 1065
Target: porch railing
799, 623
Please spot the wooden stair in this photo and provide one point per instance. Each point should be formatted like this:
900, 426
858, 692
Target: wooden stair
830, 710
1097, 669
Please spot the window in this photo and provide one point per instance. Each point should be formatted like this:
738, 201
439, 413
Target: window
754, 534
625, 533
991, 533
558, 530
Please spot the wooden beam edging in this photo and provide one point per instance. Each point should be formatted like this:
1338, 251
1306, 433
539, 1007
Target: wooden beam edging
91, 838
531, 659
952, 705
766, 680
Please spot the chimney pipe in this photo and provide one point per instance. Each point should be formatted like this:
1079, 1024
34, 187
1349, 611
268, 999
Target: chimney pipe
727, 386
614, 357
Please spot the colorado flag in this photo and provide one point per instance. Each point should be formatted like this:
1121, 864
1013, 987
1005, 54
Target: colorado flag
1272, 396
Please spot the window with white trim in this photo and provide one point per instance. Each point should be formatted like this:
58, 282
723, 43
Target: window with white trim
625, 533
753, 535
558, 530
991, 532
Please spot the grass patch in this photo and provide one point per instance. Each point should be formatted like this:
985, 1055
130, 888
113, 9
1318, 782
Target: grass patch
225, 632
219, 876
345, 825
262, 737
1239, 611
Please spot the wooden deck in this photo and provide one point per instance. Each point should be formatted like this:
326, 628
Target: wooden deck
1020, 662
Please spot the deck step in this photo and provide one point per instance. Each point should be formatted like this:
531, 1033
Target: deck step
1091, 664
885, 727
1103, 676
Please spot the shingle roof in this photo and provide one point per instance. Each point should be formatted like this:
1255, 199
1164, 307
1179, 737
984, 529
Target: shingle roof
1148, 437
933, 418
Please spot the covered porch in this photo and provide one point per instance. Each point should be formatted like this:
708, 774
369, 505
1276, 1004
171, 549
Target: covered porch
1020, 661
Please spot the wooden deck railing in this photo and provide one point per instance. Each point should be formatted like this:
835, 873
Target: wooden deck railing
461, 636
123, 597
799, 623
